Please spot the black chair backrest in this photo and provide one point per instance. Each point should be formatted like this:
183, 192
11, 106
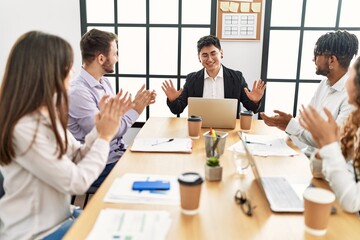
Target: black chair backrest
2, 192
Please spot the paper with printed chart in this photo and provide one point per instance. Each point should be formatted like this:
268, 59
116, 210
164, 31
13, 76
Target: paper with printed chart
121, 190
130, 224
264, 145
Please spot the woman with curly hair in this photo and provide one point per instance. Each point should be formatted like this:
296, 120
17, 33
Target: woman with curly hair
340, 159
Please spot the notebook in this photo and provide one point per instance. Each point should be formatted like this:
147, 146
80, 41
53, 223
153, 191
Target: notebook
215, 113
180, 145
280, 195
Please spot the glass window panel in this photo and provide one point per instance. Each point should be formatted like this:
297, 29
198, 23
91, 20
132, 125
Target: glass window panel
166, 12
160, 108
191, 13
128, 14
100, 11
132, 42
306, 92
189, 55
286, 13
132, 85
107, 29
350, 16
321, 13
284, 103
282, 63
163, 50
308, 68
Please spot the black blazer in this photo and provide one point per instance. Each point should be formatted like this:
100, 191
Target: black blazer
234, 84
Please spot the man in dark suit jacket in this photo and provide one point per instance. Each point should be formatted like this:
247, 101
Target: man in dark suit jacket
214, 81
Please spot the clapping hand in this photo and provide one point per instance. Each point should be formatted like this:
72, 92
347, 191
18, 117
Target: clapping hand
257, 91
323, 131
170, 91
281, 120
143, 98
107, 120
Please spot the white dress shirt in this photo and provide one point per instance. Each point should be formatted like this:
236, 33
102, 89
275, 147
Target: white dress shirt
340, 175
214, 87
38, 185
334, 98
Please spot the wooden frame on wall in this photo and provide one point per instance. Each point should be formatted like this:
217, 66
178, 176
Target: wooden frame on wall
239, 20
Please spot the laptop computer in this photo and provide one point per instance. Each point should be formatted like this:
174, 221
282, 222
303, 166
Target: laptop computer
280, 195
215, 113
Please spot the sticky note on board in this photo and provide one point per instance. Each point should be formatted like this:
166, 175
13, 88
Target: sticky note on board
245, 7
224, 6
255, 7
234, 7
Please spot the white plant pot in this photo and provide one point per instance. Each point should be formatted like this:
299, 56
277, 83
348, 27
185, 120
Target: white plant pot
213, 173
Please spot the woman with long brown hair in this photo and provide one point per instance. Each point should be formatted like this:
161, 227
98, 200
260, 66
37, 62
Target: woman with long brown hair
336, 156
42, 164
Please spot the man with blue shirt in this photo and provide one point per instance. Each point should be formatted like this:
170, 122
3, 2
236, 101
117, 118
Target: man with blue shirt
99, 55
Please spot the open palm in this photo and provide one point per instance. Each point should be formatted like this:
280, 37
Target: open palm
257, 91
170, 91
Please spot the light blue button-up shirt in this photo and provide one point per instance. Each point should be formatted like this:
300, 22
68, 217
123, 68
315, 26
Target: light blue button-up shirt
84, 95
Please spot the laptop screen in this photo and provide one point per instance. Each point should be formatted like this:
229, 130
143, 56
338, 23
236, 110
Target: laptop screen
250, 157
280, 195
215, 113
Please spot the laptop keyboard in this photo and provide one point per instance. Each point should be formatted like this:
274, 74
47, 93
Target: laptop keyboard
280, 193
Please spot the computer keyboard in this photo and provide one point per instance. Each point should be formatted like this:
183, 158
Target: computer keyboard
280, 194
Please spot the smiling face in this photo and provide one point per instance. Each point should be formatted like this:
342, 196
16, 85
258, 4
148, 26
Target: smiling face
112, 58
209, 57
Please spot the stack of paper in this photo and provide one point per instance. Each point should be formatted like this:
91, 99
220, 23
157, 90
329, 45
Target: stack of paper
264, 145
130, 224
121, 190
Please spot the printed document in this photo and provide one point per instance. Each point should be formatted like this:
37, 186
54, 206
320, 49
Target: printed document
264, 145
121, 190
162, 145
130, 224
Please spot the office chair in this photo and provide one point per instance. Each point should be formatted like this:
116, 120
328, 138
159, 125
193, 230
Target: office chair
2, 192
90, 191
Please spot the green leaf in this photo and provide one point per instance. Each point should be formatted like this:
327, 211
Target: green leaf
213, 162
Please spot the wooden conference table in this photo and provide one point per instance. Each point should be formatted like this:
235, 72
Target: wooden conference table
219, 216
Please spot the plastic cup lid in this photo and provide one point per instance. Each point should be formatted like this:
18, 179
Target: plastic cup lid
319, 195
194, 118
190, 179
246, 113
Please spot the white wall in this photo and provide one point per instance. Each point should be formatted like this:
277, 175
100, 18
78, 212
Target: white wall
59, 17
244, 56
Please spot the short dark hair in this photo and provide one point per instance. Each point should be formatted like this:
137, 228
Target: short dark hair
342, 44
207, 41
95, 42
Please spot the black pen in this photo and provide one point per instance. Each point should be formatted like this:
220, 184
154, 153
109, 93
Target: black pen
260, 143
170, 140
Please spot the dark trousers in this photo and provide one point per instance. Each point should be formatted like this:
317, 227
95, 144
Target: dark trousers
103, 175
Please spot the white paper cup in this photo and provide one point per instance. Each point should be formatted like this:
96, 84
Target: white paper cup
317, 203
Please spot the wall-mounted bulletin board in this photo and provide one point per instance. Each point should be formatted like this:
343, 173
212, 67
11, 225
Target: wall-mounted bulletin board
239, 19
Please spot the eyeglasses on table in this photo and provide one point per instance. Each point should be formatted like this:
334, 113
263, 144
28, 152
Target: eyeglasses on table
245, 204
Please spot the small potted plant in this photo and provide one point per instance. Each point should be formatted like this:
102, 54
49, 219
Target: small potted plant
213, 170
